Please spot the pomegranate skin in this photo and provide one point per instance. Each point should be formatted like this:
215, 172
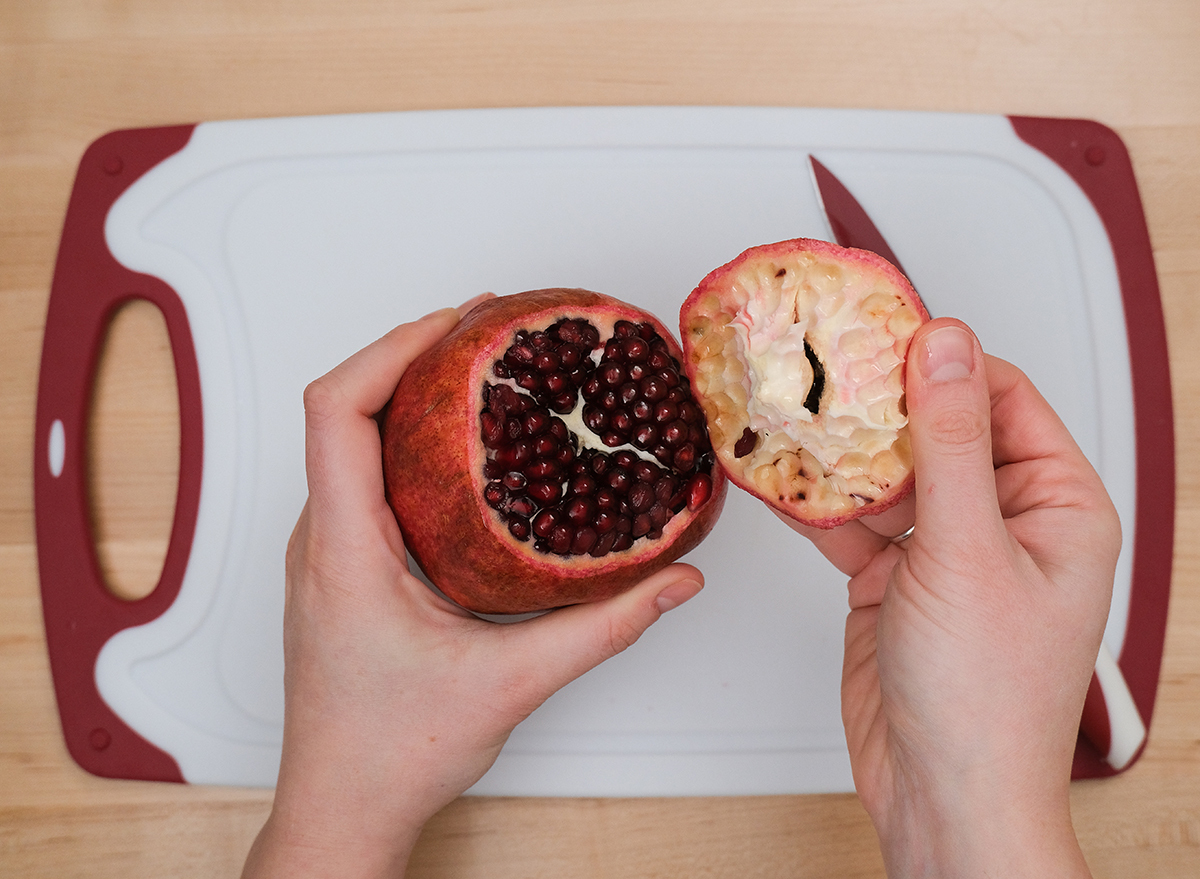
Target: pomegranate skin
812, 321
433, 460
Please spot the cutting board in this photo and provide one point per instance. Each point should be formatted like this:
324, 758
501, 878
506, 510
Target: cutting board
275, 248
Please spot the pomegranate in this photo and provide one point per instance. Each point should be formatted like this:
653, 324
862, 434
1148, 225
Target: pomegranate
548, 451
796, 352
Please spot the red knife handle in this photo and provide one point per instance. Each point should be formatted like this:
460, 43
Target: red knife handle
81, 614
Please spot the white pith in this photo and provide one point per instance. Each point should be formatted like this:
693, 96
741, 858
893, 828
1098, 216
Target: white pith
752, 371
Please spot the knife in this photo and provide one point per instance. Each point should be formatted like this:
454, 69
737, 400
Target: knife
1110, 720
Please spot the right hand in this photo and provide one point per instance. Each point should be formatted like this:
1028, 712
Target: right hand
970, 645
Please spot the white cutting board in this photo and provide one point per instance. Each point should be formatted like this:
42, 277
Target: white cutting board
292, 243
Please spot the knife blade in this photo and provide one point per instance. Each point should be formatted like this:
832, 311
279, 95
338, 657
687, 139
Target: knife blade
1111, 720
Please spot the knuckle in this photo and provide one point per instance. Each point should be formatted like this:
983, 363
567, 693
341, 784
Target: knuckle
621, 635
958, 427
321, 399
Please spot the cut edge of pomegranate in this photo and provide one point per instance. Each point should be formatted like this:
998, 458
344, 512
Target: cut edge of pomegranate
846, 455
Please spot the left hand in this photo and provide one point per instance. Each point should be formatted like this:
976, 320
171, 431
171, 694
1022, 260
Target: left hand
397, 700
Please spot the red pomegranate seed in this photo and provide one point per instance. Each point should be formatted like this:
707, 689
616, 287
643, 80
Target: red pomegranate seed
584, 540
699, 488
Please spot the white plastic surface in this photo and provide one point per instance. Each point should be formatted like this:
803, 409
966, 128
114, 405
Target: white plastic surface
294, 242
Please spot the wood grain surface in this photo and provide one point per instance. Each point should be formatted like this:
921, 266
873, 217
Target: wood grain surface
71, 70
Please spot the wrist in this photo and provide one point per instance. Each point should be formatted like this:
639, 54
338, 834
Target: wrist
326, 840
974, 829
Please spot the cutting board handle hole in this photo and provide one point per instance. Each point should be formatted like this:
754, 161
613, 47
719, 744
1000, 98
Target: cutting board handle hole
133, 450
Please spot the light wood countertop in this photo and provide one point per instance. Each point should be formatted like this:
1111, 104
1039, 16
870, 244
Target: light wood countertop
71, 70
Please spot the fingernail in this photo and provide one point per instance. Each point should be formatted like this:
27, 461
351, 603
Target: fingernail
440, 312
473, 301
676, 594
948, 354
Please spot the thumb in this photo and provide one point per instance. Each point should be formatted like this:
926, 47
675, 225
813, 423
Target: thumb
563, 644
949, 411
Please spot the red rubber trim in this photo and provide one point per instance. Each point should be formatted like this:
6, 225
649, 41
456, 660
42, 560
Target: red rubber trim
80, 613
1098, 162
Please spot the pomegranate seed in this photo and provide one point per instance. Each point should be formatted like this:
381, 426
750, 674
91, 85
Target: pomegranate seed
595, 418
569, 331
514, 480
522, 506
580, 511
644, 471
654, 388
618, 479
666, 411
685, 458
606, 499
606, 521
635, 349
494, 493
604, 545
582, 485
518, 527
491, 430
544, 522
699, 488
674, 433
560, 539
584, 540
570, 356
545, 492
664, 489
535, 422
544, 469
645, 436
641, 497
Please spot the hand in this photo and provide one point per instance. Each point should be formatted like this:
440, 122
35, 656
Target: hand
396, 700
970, 645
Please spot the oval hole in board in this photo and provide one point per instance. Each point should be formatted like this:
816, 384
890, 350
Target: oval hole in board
133, 450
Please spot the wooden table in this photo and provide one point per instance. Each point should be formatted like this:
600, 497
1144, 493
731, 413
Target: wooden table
70, 71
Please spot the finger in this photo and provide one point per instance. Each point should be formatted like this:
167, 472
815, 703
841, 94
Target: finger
949, 410
848, 547
341, 436
560, 646
1024, 425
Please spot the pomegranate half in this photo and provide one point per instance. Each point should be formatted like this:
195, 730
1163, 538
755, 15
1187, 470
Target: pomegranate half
548, 451
796, 352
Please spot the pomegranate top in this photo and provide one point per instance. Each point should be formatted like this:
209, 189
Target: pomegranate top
796, 351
